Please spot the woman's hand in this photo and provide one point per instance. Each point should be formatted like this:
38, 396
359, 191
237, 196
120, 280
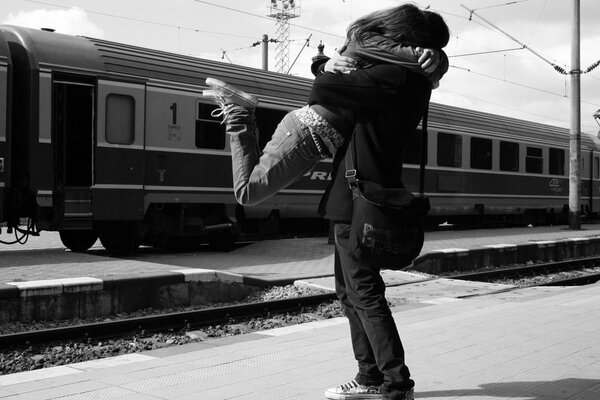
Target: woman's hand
429, 59
339, 64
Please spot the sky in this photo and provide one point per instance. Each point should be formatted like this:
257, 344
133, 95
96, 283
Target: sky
501, 55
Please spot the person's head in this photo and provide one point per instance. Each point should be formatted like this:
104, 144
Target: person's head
406, 24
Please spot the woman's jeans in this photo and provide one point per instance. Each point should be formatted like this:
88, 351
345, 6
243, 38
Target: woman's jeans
375, 340
289, 154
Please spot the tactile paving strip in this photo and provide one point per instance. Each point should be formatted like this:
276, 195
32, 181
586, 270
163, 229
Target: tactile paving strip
199, 374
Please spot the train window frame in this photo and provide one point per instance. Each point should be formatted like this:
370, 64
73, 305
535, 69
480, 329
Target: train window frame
596, 167
534, 163
510, 153
556, 161
481, 153
449, 156
120, 119
209, 131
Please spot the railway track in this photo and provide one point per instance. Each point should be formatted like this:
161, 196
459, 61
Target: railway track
34, 344
164, 322
213, 315
551, 269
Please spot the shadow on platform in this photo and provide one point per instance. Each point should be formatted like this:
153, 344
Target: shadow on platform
534, 390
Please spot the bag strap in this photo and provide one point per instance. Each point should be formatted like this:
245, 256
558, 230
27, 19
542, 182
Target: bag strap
351, 172
350, 168
423, 150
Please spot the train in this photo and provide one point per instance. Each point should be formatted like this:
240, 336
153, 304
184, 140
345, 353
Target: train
106, 140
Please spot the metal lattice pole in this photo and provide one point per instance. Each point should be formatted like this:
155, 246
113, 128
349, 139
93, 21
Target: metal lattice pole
283, 11
282, 48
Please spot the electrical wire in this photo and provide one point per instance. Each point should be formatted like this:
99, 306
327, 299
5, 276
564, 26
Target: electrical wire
566, 96
504, 106
509, 81
538, 20
265, 17
469, 19
510, 3
556, 67
31, 230
140, 20
486, 52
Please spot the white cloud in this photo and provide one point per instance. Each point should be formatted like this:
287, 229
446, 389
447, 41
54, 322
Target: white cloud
73, 21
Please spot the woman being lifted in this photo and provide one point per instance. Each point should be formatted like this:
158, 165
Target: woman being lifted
357, 78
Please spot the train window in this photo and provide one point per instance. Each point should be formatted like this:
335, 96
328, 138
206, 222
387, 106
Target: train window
596, 167
509, 156
534, 161
557, 161
412, 150
210, 133
481, 153
266, 122
449, 150
120, 119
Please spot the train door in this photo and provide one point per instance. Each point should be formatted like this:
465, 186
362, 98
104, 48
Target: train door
118, 191
73, 130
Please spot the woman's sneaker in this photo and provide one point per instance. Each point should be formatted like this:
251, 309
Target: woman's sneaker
224, 94
353, 390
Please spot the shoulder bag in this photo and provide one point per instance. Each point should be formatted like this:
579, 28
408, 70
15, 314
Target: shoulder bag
387, 223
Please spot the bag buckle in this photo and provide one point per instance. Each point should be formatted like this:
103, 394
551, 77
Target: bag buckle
350, 175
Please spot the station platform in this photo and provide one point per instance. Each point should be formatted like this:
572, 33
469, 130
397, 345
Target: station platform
43, 281
464, 340
524, 344
44, 258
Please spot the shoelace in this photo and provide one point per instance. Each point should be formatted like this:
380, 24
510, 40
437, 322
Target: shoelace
222, 110
353, 385
349, 385
221, 99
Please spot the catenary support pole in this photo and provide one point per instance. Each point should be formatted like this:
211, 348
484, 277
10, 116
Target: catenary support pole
265, 52
575, 133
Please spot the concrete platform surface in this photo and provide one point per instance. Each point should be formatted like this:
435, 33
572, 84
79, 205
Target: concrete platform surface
44, 257
527, 344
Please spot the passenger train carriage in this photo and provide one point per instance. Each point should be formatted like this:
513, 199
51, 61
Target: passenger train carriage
116, 141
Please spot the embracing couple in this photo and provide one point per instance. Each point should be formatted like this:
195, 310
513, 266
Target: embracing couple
373, 93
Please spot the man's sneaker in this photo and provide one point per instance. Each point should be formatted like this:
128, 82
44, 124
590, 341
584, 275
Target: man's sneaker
224, 94
353, 390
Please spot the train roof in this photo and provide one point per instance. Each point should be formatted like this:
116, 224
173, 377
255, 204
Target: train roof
78, 54
4, 51
443, 116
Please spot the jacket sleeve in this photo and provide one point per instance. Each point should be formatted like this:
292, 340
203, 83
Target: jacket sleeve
365, 88
380, 49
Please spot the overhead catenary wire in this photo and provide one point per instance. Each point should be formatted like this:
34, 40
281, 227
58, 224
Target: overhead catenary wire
504, 4
139, 20
300, 52
486, 52
264, 17
554, 65
213, 4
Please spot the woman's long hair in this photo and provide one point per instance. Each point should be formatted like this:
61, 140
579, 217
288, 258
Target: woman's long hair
406, 24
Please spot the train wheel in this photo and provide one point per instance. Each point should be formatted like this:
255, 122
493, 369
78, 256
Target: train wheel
78, 240
119, 237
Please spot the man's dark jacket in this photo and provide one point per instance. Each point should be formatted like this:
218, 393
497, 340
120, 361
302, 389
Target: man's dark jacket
387, 102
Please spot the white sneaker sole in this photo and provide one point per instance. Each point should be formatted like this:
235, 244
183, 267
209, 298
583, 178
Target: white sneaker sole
248, 99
